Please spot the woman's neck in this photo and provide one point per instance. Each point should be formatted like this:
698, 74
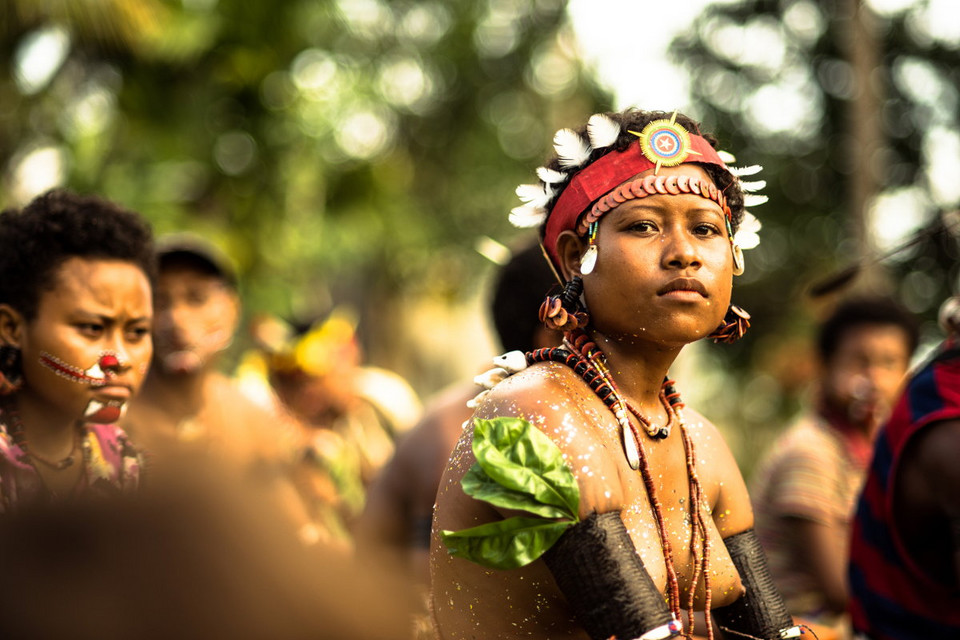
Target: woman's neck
49, 431
638, 368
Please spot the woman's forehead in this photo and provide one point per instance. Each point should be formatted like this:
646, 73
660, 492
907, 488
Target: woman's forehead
102, 280
687, 204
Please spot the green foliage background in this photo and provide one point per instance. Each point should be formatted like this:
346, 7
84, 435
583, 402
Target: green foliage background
872, 90
356, 151
342, 152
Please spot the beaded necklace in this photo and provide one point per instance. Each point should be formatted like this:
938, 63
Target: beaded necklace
586, 360
20, 439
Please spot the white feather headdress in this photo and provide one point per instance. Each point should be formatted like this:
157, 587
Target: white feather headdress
748, 235
549, 176
572, 150
602, 130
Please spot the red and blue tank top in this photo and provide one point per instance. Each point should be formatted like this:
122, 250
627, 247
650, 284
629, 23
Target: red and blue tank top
891, 597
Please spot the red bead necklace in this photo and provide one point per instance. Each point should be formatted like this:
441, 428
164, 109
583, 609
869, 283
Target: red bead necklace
592, 368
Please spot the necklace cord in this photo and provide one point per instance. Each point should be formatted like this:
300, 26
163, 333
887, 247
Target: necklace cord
586, 360
19, 437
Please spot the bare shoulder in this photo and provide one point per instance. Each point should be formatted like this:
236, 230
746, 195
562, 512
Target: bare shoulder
556, 401
938, 447
266, 431
548, 395
934, 455
707, 436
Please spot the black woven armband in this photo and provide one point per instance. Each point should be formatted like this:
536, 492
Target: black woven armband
760, 611
597, 568
955, 532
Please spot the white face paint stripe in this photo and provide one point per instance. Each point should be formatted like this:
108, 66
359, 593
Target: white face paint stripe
94, 375
105, 412
92, 407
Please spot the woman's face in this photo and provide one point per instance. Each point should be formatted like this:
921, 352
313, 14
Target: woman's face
664, 270
86, 352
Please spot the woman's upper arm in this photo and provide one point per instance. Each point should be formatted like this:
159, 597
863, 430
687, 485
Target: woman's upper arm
549, 406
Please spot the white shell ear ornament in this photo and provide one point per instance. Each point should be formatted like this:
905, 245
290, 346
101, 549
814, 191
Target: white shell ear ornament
736, 249
738, 263
588, 261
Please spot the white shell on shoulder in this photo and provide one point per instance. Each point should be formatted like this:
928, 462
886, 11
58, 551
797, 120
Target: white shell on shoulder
512, 361
490, 378
472, 404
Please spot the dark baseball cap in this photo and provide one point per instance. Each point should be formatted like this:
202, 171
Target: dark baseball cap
196, 252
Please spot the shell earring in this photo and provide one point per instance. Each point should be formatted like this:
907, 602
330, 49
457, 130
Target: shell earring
563, 312
735, 324
588, 261
738, 263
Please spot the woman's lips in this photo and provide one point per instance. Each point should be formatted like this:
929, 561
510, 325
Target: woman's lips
113, 392
683, 288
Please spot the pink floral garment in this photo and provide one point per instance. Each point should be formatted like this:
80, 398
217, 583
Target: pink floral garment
112, 467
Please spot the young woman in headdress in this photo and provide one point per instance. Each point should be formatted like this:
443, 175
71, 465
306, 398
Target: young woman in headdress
586, 501
75, 315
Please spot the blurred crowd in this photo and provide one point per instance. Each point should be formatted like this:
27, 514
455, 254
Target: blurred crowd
148, 489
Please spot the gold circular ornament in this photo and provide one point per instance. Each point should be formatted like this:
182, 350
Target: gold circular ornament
665, 143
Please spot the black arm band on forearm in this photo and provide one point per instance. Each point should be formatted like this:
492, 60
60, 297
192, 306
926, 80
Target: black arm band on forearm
760, 612
597, 568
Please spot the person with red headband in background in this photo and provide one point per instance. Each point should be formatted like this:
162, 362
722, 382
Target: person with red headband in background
805, 486
585, 500
904, 568
75, 316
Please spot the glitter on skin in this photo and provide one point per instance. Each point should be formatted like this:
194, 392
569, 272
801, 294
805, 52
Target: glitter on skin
479, 595
588, 434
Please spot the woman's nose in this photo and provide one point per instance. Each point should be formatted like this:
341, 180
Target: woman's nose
680, 251
115, 359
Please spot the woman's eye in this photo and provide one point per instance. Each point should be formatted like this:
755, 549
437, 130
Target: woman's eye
643, 226
706, 230
137, 334
90, 328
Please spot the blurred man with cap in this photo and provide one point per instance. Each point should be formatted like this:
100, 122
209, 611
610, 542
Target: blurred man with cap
190, 412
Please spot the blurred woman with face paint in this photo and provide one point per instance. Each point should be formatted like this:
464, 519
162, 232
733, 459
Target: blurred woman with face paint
75, 317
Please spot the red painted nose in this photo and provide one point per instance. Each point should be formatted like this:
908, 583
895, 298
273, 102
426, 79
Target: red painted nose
109, 361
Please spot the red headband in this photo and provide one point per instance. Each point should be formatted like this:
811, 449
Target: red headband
609, 172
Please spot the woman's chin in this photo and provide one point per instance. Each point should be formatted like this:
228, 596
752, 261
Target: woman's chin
674, 337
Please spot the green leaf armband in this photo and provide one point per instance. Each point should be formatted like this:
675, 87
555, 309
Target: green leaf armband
519, 468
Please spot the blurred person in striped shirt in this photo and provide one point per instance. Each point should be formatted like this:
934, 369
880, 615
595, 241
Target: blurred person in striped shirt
806, 484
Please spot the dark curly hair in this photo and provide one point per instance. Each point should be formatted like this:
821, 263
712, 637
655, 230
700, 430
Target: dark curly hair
635, 120
59, 225
519, 290
872, 311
